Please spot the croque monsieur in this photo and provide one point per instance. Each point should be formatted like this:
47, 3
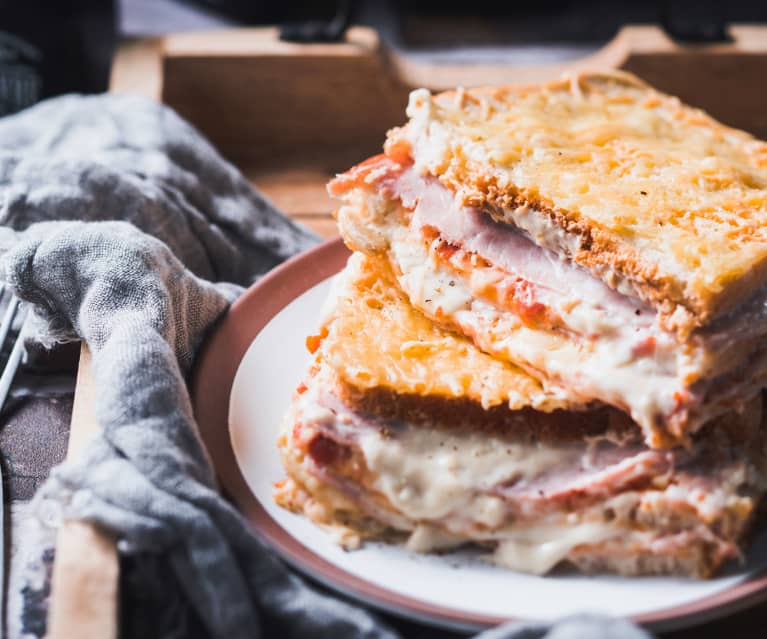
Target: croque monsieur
550, 340
405, 430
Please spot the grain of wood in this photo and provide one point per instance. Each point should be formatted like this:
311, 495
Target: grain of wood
84, 586
239, 42
325, 227
295, 191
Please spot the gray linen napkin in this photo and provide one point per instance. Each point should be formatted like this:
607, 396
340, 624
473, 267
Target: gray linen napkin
137, 290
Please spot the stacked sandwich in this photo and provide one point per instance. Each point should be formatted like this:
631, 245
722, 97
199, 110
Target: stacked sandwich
550, 338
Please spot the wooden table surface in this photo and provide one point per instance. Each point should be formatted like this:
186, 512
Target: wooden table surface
301, 194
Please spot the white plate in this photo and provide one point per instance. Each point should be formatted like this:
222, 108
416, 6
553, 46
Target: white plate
456, 589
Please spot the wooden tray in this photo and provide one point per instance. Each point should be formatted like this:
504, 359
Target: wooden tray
290, 116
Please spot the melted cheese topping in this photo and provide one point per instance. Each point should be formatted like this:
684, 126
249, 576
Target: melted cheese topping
684, 197
539, 548
429, 474
376, 339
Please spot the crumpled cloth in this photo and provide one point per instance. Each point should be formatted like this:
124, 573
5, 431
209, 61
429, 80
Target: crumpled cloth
125, 228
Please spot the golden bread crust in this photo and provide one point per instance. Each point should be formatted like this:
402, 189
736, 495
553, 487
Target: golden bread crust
696, 558
646, 192
375, 339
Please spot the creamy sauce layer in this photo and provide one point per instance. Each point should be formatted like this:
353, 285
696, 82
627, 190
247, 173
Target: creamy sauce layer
606, 368
538, 549
448, 487
430, 475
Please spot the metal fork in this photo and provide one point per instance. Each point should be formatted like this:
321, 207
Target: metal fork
15, 308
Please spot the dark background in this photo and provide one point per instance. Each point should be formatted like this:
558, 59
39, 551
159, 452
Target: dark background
48, 47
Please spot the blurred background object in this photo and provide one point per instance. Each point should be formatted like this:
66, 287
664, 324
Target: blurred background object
468, 31
48, 47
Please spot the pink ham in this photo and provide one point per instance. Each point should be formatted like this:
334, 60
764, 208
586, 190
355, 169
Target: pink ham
434, 205
615, 469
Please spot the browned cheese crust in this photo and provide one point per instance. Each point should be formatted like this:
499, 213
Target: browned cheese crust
650, 194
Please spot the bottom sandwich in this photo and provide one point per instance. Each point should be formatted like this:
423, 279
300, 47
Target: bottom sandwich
406, 432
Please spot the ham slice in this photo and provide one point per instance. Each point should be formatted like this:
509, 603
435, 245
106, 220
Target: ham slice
434, 206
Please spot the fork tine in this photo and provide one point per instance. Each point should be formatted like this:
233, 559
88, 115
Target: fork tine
5, 382
14, 359
8, 317
2, 552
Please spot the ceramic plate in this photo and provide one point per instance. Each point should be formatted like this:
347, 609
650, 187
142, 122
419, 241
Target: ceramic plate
242, 386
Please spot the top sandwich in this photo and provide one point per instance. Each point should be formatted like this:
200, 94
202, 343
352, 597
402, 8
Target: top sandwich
657, 199
599, 234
